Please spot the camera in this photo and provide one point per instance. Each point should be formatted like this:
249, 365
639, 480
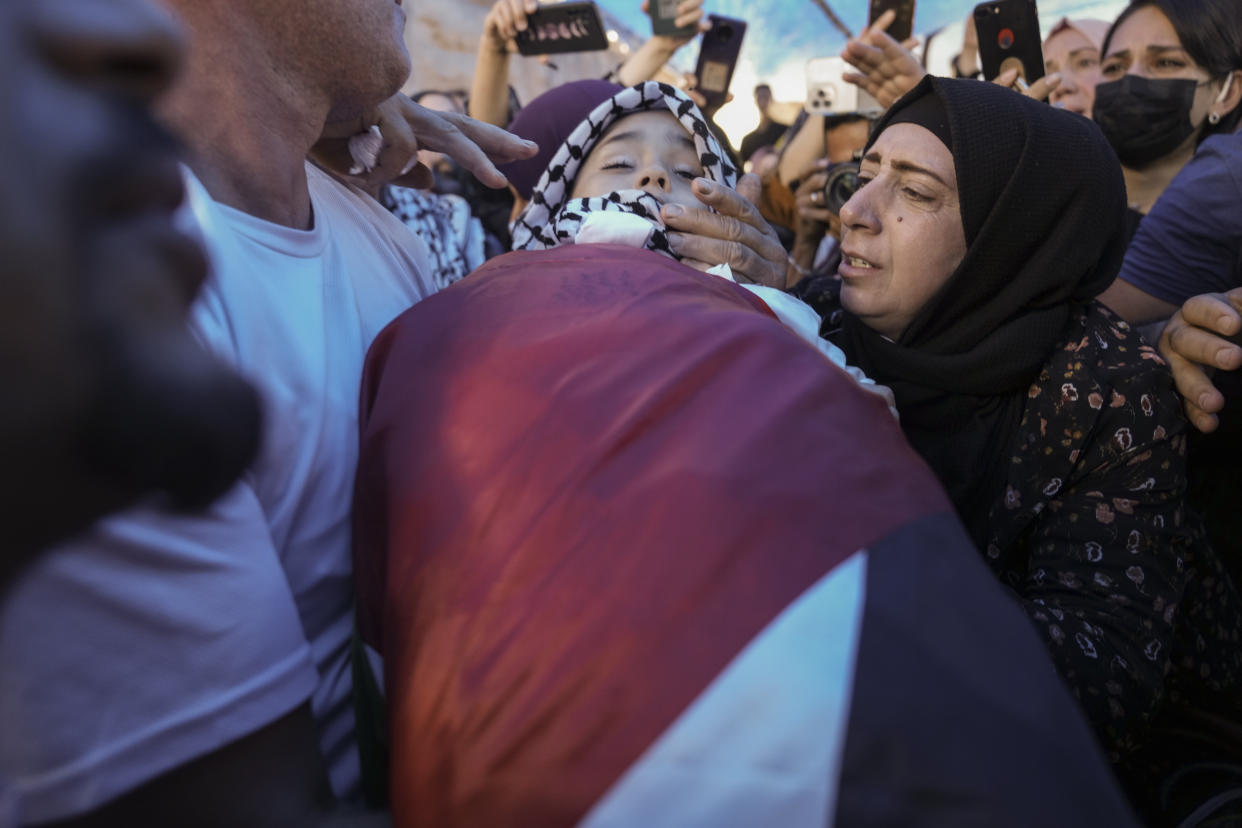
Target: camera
842, 183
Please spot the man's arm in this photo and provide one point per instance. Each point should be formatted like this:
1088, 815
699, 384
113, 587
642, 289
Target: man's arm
272, 778
802, 150
1138, 307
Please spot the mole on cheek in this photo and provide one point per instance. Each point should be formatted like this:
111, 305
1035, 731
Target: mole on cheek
900, 219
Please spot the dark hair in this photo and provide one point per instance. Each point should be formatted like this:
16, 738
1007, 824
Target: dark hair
831, 122
1211, 33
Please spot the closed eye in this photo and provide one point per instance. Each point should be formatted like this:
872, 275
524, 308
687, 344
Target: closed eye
915, 194
617, 165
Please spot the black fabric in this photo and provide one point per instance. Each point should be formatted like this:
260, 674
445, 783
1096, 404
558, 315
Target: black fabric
929, 113
1042, 202
763, 136
957, 718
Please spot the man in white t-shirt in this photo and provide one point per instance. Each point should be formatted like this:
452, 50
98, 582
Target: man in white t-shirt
168, 669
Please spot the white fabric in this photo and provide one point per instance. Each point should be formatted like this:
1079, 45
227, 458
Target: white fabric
632, 218
762, 745
158, 639
802, 319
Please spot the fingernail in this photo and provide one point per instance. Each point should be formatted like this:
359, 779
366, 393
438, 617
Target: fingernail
1055, 77
672, 210
1204, 399
706, 187
409, 165
530, 144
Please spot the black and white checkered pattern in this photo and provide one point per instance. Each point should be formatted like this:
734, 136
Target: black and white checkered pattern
535, 228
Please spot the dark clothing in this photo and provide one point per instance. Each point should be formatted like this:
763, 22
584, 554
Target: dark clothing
1038, 244
1191, 241
1087, 528
763, 136
1139, 616
1058, 435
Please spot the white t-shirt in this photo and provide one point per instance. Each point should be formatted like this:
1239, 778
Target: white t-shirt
158, 639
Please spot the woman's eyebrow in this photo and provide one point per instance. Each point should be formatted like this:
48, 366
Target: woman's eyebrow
906, 166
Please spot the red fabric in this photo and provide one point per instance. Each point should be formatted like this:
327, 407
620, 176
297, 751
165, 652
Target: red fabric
589, 476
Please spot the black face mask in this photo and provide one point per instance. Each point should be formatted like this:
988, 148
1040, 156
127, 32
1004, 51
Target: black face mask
1143, 119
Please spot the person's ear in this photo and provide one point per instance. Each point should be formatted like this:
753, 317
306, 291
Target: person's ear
1233, 96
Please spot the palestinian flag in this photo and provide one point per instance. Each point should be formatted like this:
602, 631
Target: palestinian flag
637, 555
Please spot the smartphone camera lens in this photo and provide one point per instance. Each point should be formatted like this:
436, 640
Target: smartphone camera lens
724, 33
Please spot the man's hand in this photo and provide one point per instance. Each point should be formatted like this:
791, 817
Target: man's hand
504, 21
689, 85
1192, 343
886, 68
689, 13
735, 234
406, 128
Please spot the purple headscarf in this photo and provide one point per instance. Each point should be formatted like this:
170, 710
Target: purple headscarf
547, 120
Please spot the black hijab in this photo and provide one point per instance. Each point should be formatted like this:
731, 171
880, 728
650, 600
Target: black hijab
1042, 201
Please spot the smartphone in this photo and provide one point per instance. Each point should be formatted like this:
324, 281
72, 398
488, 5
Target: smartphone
903, 26
1009, 37
718, 53
563, 27
827, 93
664, 17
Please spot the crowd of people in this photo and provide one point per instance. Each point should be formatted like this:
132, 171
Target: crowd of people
224, 223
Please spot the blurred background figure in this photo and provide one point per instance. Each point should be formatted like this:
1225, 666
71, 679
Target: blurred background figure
769, 131
1072, 51
108, 397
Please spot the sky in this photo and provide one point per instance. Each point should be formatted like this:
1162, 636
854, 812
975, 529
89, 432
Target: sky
784, 34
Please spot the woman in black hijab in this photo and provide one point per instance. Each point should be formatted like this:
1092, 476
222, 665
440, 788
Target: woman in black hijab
985, 226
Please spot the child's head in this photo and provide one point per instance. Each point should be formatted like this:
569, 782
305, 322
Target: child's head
649, 151
637, 150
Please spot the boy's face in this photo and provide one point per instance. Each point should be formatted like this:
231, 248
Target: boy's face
648, 151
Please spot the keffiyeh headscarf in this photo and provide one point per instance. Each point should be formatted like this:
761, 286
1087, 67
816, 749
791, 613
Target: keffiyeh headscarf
552, 218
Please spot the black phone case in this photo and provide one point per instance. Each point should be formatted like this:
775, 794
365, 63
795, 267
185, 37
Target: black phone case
903, 26
663, 16
1009, 29
564, 27
718, 57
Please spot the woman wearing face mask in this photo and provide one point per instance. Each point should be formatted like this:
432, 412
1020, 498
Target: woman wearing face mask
1172, 80
1171, 77
985, 226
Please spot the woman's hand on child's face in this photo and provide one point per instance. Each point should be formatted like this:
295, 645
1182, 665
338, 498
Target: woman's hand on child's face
735, 234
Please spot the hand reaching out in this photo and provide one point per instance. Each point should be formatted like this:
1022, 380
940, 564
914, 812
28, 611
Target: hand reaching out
886, 69
406, 128
504, 21
1200, 338
689, 13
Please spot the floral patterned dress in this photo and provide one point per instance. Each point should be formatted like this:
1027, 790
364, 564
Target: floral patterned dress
1091, 533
